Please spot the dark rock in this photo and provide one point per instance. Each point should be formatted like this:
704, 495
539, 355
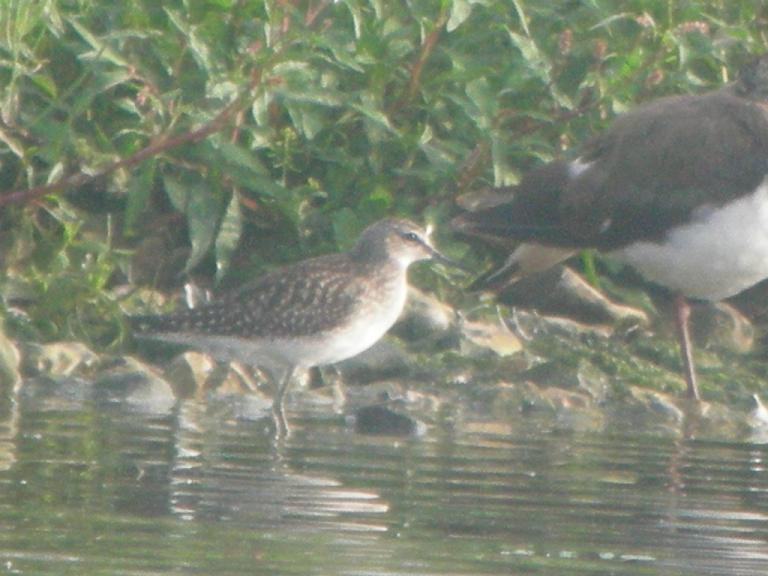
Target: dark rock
722, 326
648, 410
560, 399
583, 377
478, 338
380, 392
425, 317
382, 420
58, 359
564, 409
662, 406
594, 382
10, 363
251, 407
194, 374
758, 416
382, 361
526, 397
55, 392
533, 324
136, 385
562, 292
329, 397
714, 420
189, 374
758, 421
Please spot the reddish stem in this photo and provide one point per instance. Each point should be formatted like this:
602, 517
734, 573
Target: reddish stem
153, 149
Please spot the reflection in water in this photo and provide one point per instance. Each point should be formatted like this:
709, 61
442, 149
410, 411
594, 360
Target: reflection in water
213, 478
9, 428
100, 488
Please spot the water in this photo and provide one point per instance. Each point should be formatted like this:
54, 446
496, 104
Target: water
88, 488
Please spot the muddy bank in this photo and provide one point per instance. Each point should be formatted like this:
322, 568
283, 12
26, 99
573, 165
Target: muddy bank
583, 362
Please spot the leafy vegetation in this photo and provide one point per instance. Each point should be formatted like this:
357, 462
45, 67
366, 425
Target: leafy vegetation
254, 133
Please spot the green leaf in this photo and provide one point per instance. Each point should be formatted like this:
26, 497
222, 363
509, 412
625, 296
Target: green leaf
431, 147
479, 91
378, 202
374, 114
521, 15
201, 209
537, 62
343, 54
503, 174
606, 22
139, 190
100, 82
238, 156
229, 236
460, 11
56, 172
346, 227
562, 99
13, 144
590, 270
357, 16
307, 119
102, 50
46, 84
311, 95
243, 168
198, 47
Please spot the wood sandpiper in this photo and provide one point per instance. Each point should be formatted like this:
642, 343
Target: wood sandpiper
315, 312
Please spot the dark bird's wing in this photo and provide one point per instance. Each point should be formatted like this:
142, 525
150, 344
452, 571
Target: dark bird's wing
650, 171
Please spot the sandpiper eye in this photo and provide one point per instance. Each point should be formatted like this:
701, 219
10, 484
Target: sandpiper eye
412, 237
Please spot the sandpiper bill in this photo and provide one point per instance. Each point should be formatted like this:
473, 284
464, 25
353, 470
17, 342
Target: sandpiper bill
316, 312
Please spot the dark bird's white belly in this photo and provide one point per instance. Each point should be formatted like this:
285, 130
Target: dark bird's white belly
717, 255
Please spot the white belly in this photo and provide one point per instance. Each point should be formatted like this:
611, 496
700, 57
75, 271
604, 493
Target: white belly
351, 340
719, 254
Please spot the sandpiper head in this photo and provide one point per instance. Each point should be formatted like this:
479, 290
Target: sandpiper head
399, 240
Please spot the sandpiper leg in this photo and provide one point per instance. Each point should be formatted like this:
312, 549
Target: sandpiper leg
282, 430
682, 314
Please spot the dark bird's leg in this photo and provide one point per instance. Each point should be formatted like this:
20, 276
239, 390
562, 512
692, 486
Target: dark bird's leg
682, 314
282, 430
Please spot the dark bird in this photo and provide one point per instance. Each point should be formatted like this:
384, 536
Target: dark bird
316, 312
676, 188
